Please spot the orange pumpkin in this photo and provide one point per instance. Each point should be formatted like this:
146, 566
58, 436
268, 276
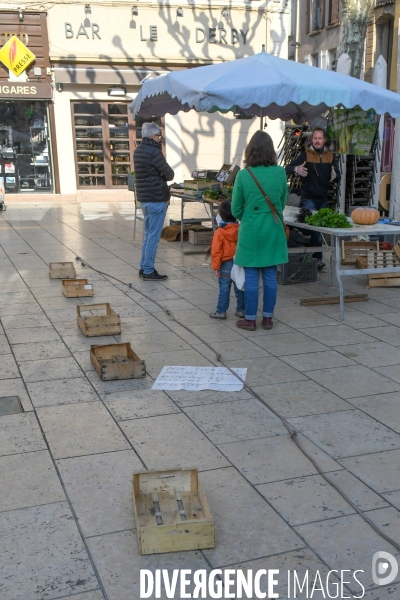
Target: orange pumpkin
365, 216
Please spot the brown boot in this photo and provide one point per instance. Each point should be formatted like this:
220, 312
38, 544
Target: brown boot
246, 324
267, 323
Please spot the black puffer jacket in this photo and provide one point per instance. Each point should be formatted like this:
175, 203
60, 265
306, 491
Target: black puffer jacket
151, 172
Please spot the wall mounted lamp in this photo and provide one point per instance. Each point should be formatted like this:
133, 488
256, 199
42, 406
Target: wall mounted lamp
59, 86
88, 9
116, 91
21, 15
179, 12
135, 11
225, 12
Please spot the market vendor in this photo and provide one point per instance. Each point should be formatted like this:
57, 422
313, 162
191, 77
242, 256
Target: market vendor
317, 167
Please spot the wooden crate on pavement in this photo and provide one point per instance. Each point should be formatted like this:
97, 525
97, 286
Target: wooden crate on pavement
171, 511
117, 361
76, 288
62, 270
98, 319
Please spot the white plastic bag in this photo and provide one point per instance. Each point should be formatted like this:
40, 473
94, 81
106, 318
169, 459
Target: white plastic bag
238, 276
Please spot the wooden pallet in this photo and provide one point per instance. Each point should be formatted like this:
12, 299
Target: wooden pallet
117, 361
382, 259
98, 319
333, 299
379, 279
171, 511
62, 270
351, 250
76, 288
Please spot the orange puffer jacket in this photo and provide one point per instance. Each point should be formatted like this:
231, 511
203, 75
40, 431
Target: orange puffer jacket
223, 245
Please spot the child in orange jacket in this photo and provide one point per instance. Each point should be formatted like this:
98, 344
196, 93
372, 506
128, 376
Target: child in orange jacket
223, 250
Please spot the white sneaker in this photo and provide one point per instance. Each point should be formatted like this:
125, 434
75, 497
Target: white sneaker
240, 313
217, 315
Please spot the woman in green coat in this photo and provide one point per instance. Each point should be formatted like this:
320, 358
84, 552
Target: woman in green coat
262, 241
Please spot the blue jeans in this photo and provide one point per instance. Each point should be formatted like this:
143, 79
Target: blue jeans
251, 291
316, 237
154, 215
225, 283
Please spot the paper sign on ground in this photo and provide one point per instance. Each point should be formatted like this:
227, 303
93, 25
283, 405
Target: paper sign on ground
199, 378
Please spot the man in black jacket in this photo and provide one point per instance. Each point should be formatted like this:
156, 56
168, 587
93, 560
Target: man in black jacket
151, 175
317, 168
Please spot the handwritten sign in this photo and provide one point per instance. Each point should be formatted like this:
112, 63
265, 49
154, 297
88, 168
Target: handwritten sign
199, 378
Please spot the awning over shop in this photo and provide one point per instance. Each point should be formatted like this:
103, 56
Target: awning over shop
101, 74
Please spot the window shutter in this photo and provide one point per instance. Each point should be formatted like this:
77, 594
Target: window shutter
308, 3
334, 12
321, 23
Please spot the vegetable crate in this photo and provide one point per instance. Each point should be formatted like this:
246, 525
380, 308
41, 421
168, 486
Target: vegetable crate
200, 237
171, 511
62, 270
380, 279
98, 319
382, 259
76, 288
351, 250
298, 272
117, 361
198, 185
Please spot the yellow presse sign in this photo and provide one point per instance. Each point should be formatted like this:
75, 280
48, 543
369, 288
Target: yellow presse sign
16, 56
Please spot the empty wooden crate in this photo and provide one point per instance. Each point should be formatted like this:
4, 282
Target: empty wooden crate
76, 288
117, 361
351, 250
98, 319
171, 511
62, 270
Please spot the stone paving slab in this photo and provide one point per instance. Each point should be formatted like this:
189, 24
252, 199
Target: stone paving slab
347, 433
20, 433
42, 554
337, 383
28, 479
356, 539
80, 429
118, 561
275, 458
61, 391
381, 471
139, 403
309, 499
235, 421
172, 440
100, 487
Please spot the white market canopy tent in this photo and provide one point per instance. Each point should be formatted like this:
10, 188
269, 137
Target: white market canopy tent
263, 85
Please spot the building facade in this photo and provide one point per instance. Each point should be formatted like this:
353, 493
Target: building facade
99, 54
28, 158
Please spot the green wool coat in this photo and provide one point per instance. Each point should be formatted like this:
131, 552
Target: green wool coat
262, 241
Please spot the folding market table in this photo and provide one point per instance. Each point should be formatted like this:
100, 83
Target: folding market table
208, 203
338, 234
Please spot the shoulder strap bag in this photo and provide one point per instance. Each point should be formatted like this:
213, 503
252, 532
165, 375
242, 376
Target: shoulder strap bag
275, 213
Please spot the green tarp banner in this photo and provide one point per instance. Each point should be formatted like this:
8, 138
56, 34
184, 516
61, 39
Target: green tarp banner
352, 131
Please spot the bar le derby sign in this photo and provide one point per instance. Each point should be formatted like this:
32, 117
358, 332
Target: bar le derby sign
16, 56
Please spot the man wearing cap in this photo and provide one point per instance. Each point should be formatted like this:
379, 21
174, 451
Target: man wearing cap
151, 175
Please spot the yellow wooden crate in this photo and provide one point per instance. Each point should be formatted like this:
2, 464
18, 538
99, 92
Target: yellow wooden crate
171, 511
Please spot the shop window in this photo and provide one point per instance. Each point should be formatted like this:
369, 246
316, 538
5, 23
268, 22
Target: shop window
25, 148
105, 139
